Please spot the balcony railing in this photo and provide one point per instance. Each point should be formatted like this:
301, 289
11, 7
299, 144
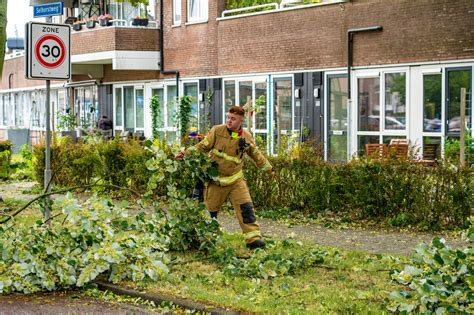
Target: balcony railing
277, 6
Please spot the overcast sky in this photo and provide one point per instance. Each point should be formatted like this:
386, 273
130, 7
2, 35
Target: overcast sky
19, 12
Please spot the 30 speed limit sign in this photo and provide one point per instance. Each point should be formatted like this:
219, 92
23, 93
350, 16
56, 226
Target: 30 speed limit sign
48, 54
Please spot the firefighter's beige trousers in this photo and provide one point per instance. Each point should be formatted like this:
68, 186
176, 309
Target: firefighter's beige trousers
215, 196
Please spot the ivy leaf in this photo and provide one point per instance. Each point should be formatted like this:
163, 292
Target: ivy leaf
439, 242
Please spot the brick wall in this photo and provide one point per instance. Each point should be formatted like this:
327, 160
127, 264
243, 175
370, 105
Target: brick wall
192, 49
127, 75
114, 38
414, 31
16, 68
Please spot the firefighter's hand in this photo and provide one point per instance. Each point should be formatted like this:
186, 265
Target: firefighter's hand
271, 172
179, 156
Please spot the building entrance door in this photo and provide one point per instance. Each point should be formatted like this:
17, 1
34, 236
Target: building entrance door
337, 124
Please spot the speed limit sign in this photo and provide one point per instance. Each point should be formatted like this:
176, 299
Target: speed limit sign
48, 54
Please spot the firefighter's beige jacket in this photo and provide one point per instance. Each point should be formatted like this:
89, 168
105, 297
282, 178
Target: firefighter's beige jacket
224, 150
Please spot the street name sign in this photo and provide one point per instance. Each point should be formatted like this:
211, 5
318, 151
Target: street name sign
48, 51
50, 9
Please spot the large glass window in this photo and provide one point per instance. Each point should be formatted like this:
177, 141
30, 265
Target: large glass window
176, 12
128, 98
395, 101
432, 102
85, 100
381, 108
118, 107
191, 89
197, 10
123, 10
171, 106
457, 79
260, 105
254, 93
245, 99
139, 104
369, 104
129, 108
159, 93
229, 95
337, 124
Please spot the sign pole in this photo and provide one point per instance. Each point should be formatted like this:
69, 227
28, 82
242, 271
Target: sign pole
47, 166
47, 153
48, 57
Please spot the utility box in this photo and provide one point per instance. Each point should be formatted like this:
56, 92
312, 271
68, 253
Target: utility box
18, 137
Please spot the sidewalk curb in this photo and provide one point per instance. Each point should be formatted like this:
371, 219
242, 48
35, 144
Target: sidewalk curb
158, 298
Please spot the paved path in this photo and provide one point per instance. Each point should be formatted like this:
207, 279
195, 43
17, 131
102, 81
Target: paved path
372, 241
63, 303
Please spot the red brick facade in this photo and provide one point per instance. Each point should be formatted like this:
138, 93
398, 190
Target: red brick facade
13, 76
309, 38
114, 38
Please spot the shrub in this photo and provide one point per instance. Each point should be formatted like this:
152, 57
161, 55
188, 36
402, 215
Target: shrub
433, 197
111, 162
5, 158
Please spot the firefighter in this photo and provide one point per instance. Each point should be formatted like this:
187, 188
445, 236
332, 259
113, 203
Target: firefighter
227, 145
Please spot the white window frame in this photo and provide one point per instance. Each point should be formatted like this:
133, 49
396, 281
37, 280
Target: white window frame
359, 74
203, 11
114, 107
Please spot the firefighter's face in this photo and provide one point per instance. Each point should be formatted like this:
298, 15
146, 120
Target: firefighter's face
234, 121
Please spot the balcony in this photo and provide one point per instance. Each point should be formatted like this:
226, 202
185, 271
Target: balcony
125, 48
238, 8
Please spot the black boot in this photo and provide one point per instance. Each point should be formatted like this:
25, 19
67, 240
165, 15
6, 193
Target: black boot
198, 191
213, 214
256, 244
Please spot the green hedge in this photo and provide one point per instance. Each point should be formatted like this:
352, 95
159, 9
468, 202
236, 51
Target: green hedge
112, 162
403, 192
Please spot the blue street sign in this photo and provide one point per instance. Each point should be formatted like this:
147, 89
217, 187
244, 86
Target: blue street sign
50, 9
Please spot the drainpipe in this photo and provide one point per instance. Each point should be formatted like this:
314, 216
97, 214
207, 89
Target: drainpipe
162, 52
350, 40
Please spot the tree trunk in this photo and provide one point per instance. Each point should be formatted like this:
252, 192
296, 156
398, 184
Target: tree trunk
3, 31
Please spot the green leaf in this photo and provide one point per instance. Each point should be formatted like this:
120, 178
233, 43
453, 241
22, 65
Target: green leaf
439, 242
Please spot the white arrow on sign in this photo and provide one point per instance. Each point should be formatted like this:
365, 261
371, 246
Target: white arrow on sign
48, 51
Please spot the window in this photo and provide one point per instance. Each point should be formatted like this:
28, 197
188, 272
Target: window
176, 12
191, 89
129, 108
240, 92
381, 108
432, 103
166, 122
337, 118
197, 10
395, 101
125, 11
456, 80
118, 107
85, 100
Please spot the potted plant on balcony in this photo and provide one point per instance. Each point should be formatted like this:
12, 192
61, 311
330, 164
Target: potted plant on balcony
77, 26
90, 23
140, 21
104, 20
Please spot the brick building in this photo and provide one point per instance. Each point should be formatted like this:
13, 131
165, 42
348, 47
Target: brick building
290, 59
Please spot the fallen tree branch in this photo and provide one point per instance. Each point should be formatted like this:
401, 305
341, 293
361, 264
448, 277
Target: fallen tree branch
29, 203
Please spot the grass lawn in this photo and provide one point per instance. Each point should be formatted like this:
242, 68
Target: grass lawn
346, 282
27, 217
